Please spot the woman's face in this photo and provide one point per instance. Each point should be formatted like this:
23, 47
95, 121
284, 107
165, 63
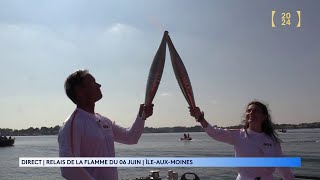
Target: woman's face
254, 115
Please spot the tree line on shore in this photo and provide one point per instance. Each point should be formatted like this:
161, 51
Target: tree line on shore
55, 130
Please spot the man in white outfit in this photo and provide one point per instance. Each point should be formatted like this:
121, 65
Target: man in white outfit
89, 134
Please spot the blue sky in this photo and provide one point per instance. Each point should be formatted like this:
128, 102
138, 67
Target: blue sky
229, 48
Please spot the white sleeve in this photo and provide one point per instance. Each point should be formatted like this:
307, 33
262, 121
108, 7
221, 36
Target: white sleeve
285, 172
64, 139
222, 135
130, 135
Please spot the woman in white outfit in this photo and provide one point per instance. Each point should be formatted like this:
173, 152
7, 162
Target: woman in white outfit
257, 138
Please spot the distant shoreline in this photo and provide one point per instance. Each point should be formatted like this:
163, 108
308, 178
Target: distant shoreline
156, 132
177, 129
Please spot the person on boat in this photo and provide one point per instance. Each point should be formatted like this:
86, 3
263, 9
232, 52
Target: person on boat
188, 136
257, 138
86, 133
185, 136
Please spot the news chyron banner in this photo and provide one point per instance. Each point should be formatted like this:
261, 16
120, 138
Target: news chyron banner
159, 162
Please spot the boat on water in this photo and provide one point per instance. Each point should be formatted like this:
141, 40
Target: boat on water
282, 130
186, 137
5, 141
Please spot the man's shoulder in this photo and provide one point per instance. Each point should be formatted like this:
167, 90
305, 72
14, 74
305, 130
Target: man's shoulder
75, 119
74, 123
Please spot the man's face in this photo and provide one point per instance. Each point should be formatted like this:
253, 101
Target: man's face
90, 90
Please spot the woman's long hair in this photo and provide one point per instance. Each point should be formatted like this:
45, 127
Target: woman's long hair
267, 125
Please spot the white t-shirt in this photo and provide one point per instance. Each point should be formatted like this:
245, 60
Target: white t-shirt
93, 136
251, 144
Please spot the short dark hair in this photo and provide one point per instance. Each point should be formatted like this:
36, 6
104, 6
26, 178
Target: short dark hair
73, 80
